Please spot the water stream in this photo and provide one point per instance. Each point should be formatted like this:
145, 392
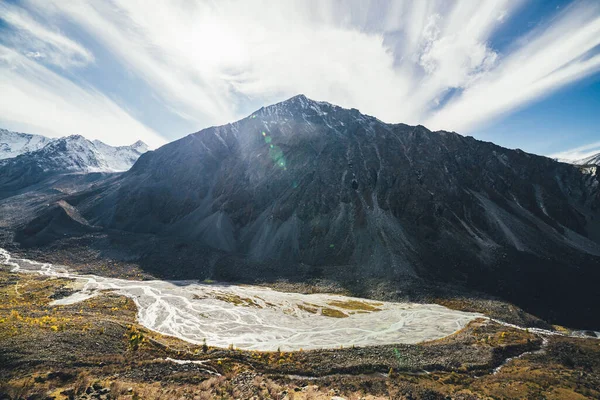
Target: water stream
251, 317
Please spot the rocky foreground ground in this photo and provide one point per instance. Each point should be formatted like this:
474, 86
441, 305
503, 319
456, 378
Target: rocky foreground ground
96, 350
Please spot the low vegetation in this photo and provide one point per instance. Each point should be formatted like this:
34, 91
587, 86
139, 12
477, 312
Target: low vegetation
234, 299
333, 313
96, 347
355, 305
309, 308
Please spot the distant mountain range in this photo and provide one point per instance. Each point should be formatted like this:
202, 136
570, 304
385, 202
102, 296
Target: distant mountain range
26, 159
13, 144
590, 160
308, 190
71, 153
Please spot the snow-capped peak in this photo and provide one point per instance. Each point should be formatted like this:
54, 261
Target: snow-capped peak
295, 107
314, 113
70, 153
139, 146
13, 144
591, 160
594, 159
120, 158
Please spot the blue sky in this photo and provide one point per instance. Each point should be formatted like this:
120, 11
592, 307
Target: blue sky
523, 74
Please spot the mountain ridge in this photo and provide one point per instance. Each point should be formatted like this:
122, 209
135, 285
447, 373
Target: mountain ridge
590, 160
13, 144
66, 155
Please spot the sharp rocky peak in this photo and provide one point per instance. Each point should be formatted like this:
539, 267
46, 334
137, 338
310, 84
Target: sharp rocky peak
139, 146
74, 138
304, 109
296, 106
299, 100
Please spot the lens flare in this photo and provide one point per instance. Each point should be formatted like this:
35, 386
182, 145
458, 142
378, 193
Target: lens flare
275, 152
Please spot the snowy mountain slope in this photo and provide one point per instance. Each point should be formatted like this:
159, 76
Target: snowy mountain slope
76, 153
120, 158
594, 159
591, 160
13, 144
71, 154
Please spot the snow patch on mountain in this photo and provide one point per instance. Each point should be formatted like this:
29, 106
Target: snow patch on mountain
120, 158
13, 144
76, 153
589, 160
71, 153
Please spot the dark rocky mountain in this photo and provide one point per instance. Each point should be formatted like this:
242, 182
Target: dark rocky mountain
71, 154
307, 189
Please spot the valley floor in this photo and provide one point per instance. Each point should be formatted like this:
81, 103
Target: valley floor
258, 318
97, 349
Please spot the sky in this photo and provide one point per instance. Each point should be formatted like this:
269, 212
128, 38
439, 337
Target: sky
519, 73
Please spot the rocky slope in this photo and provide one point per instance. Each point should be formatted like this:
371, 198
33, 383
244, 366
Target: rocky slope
305, 188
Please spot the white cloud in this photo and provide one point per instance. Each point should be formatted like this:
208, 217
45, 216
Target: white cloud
206, 61
546, 60
38, 100
578, 153
37, 41
502, 16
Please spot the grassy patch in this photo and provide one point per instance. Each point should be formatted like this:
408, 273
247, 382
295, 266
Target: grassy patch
333, 313
356, 305
238, 300
309, 308
234, 299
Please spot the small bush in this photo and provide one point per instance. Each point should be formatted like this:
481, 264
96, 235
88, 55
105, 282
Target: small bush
135, 337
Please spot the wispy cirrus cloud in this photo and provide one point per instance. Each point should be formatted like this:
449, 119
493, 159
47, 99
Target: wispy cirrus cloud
206, 59
578, 153
37, 41
431, 62
547, 59
38, 100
